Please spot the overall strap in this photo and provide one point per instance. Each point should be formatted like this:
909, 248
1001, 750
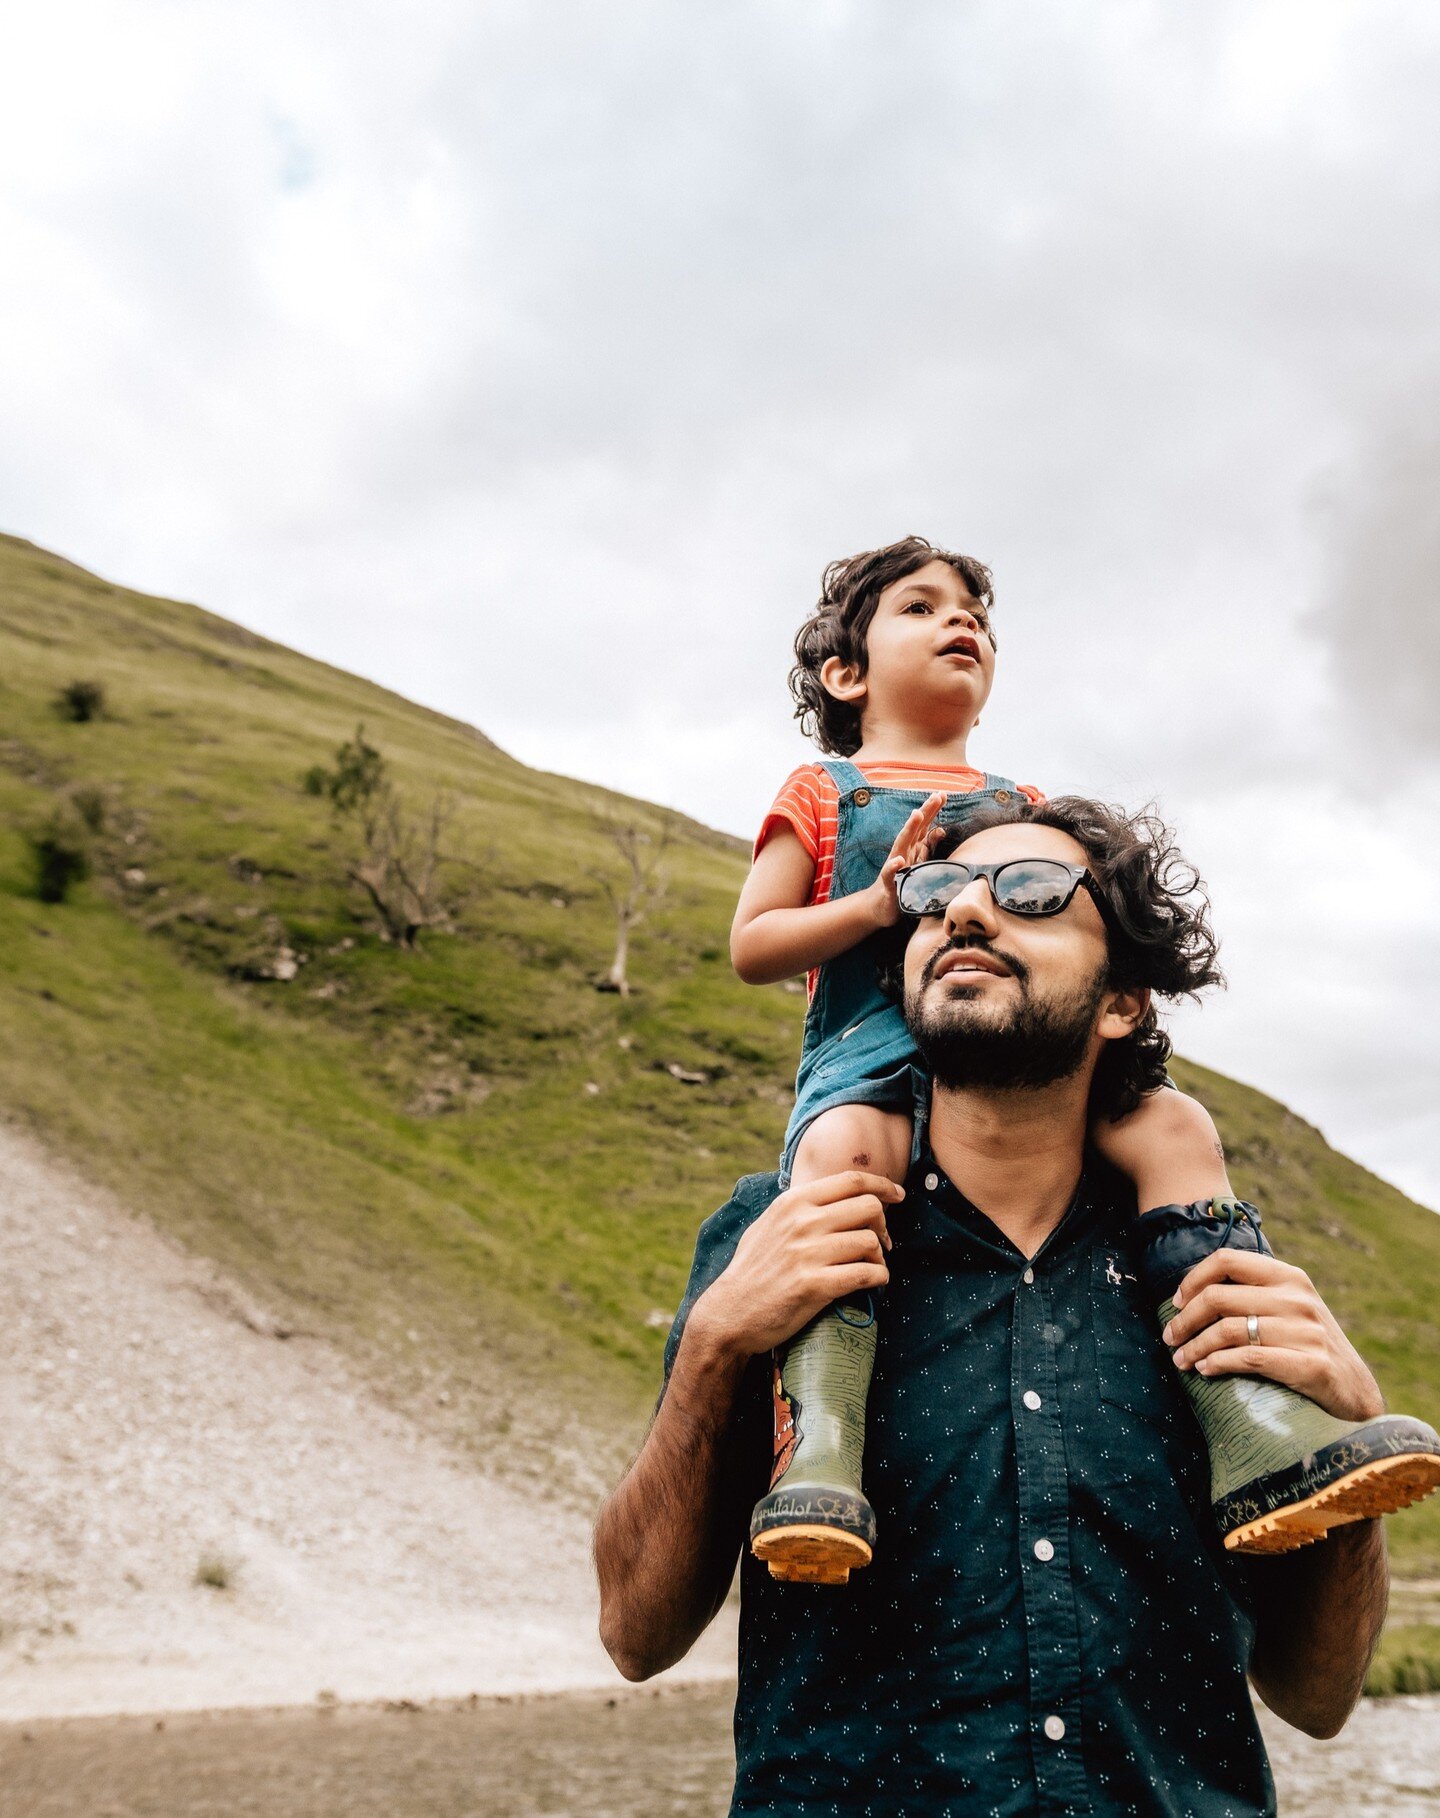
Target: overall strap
845, 776
993, 783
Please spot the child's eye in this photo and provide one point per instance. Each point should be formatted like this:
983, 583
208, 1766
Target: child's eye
916, 606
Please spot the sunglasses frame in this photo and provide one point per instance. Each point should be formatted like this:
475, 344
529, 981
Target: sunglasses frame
1078, 874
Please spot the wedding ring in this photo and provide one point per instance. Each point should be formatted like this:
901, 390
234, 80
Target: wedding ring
1252, 1328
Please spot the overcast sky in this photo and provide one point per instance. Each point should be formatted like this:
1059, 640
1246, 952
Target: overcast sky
534, 358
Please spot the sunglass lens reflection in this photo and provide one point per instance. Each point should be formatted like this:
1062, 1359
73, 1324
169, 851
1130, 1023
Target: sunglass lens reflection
1032, 888
932, 889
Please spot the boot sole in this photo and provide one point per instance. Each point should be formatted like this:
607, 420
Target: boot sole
1378, 1488
806, 1553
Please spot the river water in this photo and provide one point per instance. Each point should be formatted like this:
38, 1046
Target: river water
637, 1755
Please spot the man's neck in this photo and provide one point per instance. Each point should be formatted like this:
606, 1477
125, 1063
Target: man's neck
1016, 1155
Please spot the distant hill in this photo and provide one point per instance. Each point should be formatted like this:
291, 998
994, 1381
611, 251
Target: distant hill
464, 1163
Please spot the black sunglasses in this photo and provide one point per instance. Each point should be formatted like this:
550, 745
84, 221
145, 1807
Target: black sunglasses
1021, 886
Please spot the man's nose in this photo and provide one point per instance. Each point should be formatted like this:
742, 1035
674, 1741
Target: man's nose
972, 910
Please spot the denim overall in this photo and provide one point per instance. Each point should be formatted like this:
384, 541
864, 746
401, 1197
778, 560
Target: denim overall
857, 1050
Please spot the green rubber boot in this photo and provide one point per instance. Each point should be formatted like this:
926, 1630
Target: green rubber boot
815, 1526
1283, 1472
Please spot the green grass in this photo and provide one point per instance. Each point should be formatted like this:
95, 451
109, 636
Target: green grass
465, 1164
1407, 1660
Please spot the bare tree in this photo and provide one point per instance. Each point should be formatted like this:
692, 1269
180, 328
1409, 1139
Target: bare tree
641, 884
399, 865
400, 858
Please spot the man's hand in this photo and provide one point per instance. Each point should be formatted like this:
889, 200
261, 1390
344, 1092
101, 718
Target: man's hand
811, 1246
1301, 1343
912, 846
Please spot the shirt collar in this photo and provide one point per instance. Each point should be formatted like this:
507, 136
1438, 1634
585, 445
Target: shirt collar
962, 1218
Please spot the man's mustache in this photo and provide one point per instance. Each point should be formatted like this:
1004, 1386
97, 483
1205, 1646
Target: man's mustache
974, 943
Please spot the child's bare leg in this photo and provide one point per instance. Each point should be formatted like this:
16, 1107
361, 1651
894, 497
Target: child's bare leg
854, 1136
1170, 1149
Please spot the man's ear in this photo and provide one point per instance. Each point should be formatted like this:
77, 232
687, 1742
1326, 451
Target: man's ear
1122, 1014
843, 681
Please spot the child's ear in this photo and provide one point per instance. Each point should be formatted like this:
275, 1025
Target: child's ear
842, 680
1123, 1014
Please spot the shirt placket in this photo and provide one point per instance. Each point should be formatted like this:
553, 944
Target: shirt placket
1052, 1632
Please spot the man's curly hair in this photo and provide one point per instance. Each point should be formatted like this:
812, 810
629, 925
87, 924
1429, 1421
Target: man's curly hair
849, 593
1157, 926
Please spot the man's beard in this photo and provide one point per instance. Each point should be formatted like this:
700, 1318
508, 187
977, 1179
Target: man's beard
964, 1043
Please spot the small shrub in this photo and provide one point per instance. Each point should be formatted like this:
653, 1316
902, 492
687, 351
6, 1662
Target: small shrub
215, 1573
61, 861
358, 776
81, 701
63, 848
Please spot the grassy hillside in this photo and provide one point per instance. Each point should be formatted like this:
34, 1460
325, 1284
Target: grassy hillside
464, 1162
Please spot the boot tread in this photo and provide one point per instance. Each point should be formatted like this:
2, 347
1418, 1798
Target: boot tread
805, 1553
1378, 1488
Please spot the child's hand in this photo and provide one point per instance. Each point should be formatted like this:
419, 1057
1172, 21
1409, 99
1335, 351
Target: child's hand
913, 845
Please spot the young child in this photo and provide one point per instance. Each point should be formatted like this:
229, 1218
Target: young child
891, 675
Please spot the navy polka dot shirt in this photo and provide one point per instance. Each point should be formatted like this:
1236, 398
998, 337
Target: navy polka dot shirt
1050, 1624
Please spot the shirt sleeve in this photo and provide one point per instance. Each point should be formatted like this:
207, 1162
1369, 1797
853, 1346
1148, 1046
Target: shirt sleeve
750, 1439
715, 1245
798, 807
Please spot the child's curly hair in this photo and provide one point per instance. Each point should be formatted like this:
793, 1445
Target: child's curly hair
849, 593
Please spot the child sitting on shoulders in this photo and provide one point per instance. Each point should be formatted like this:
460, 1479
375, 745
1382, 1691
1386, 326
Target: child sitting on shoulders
891, 674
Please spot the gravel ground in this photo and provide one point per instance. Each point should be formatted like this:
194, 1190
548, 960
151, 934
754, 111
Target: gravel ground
155, 1431
663, 1756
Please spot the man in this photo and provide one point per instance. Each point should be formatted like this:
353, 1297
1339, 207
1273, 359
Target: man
1050, 1623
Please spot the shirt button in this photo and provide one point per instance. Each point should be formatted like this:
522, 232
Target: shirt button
1055, 1728
932, 1181
1045, 1552
1031, 1400
1028, 1277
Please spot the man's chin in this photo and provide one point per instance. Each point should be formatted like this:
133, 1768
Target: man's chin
972, 1039
960, 1010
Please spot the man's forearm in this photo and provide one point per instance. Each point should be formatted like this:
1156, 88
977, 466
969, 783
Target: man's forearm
1319, 1616
664, 1550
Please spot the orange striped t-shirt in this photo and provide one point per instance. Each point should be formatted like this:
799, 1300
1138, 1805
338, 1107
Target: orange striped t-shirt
809, 804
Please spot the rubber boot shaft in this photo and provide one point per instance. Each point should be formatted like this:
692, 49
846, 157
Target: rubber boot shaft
1273, 1452
825, 1377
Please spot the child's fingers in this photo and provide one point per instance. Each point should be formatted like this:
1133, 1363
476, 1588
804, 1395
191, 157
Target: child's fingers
909, 830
